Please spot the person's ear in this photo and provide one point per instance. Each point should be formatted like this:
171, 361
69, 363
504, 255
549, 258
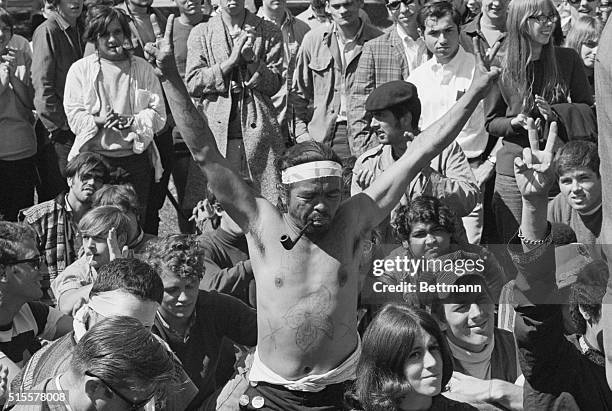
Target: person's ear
406, 244
95, 390
70, 181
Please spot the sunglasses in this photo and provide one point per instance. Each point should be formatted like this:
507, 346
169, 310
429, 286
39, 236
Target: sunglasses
134, 406
394, 5
542, 19
34, 262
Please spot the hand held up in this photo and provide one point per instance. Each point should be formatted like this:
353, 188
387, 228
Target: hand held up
534, 172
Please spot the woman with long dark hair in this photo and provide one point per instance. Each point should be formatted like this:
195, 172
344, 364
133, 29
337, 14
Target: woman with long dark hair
405, 363
535, 76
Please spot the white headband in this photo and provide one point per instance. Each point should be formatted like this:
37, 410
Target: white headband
115, 303
313, 169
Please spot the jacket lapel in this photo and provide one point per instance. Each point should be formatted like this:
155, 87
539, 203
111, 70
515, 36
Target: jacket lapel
397, 46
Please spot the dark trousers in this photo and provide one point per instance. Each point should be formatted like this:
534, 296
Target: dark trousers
340, 143
137, 171
157, 195
279, 398
180, 172
51, 160
17, 181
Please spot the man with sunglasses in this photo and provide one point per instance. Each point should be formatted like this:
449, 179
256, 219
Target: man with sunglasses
118, 365
392, 56
23, 320
324, 76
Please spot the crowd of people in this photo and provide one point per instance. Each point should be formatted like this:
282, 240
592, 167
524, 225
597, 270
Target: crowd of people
409, 217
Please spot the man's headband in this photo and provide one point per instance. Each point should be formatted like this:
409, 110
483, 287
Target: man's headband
308, 171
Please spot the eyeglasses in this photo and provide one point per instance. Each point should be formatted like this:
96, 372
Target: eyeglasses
134, 406
542, 19
34, 262
394, 5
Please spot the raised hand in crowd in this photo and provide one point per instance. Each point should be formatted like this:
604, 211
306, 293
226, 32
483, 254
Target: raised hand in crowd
544, 108
114, 251
534, 176
534, 172
485, 74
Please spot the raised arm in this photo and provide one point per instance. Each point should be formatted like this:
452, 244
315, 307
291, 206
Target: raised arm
387, 189
231, 191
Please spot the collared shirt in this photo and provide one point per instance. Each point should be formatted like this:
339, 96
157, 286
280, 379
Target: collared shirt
440, 86
347, 51
415, 50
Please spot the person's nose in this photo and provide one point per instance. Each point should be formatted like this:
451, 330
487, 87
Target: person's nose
183, 297
431, 240
477, 312
429, 361
584, 4
375, 124
576, 186
89, 244
442, 39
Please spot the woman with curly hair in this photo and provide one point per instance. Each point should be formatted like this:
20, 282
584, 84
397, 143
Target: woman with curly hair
405, 363
536, 76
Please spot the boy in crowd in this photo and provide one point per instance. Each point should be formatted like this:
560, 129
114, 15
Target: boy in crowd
194, 322
104, 232
579, 202
55, 221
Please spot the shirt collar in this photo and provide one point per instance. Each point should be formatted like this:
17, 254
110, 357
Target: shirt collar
61, 21
67, 205
169, 329
286, 22
452, 65
405, 36
354, 39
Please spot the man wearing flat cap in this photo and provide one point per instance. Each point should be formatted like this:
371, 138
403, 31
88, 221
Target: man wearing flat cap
396, 110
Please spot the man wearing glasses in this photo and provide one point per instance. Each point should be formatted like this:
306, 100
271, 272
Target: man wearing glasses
22, 318
118, 365
392, 56
324, 75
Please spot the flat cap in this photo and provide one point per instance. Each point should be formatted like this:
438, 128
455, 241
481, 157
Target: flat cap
391, 94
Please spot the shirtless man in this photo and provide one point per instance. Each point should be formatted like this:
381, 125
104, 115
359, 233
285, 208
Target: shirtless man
308, 343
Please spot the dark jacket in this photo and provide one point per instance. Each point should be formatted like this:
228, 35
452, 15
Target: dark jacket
551, 363
216, 316
227, 264
504, 103
56, 45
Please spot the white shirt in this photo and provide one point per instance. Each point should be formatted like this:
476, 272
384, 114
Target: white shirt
439, 87
415, 50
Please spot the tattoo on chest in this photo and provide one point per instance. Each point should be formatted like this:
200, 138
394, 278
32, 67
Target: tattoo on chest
310, 320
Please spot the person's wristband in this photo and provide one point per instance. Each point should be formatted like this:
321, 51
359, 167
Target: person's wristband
527, 241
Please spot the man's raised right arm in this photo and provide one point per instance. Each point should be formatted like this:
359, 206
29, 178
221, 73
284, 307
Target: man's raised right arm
231, 191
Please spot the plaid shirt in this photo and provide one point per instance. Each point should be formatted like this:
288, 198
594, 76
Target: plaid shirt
56, 234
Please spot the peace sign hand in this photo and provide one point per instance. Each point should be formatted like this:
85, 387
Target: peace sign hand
534, 172
161, 53
485, 74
